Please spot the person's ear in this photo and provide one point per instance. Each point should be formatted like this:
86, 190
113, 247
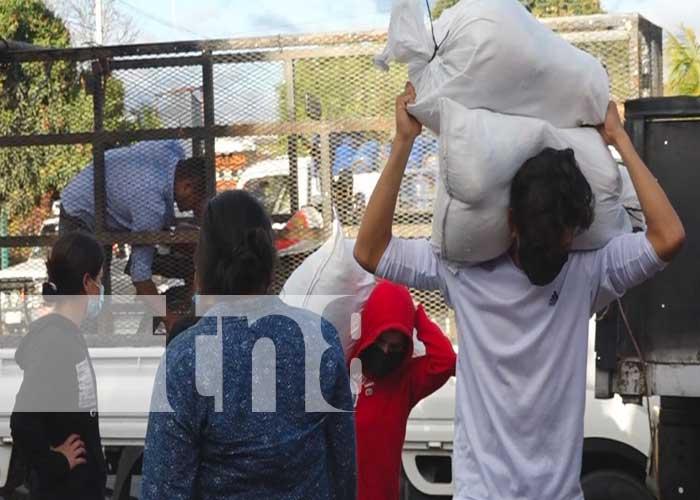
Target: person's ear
86, 282
183, 188
188, 188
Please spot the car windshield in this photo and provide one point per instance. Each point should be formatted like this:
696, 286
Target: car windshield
272, 192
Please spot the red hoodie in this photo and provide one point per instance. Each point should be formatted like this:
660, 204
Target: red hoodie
383, 405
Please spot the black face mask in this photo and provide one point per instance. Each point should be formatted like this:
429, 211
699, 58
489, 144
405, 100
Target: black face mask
379, 364
541, 268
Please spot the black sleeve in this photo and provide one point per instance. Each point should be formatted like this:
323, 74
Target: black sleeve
30, 436
49, 389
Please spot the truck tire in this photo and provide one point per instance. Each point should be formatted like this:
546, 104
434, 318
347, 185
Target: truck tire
129, 464
408, 492
613, 485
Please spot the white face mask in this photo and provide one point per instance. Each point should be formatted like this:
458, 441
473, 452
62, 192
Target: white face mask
95, 302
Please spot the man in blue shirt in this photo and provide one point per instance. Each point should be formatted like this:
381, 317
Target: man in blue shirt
143, 183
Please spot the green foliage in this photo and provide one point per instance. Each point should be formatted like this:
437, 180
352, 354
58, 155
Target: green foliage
37, 98
541, 8
45, 98
147, 117
557, 8
442, 5
30, 21
683, 55
347, 87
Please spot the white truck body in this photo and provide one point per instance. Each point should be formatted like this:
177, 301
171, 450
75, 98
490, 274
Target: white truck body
125, 379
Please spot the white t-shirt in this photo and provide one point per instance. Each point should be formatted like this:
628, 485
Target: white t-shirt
521, 370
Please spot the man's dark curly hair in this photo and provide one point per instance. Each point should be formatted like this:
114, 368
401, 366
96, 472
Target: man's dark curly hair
549, 196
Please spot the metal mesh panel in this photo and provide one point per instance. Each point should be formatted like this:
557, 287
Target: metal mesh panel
303, 122
157, 97
44, 97
247, 91
629, 46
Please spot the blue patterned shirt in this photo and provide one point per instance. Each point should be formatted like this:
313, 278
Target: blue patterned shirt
140, 194
199, 451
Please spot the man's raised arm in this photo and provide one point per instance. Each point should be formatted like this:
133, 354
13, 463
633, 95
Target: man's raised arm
375, 231
665, 230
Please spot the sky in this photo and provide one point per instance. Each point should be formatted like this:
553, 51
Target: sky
167, 20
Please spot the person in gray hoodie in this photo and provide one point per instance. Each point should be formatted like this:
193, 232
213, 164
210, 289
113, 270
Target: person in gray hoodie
54, 423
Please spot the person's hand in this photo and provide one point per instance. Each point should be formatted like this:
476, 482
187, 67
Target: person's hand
73, 449
422, 321
612, 130
407, 127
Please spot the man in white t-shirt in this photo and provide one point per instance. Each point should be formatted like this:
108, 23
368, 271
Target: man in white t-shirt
523, 317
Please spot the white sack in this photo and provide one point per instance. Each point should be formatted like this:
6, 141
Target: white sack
332, 271
495, 55
630, 201
480, 153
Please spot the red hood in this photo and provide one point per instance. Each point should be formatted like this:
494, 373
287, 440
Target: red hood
389, 307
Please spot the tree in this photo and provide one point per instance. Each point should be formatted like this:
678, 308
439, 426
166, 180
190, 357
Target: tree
350, 87
557, 8
79, 16
336, 88
541, 8
442, 5
684, 63
37, 98
44, 98
146, 117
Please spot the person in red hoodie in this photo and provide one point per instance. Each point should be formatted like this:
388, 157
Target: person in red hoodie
392, 383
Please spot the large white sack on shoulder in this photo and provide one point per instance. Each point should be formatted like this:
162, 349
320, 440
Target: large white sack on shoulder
468, 233
333, 285
494, 54
480, 153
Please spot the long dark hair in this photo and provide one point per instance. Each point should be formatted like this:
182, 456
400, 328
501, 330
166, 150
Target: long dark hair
236, 253
72, 257
550, 195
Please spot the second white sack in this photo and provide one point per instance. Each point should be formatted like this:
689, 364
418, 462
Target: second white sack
480, 153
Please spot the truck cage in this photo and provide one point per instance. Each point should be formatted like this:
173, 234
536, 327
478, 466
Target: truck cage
294, 90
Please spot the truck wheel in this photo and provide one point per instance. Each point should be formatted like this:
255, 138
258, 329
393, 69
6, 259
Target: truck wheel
613, 485
408, 492
129, 465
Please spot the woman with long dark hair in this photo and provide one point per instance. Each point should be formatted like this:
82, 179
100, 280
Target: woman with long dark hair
229, 421
55, 422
